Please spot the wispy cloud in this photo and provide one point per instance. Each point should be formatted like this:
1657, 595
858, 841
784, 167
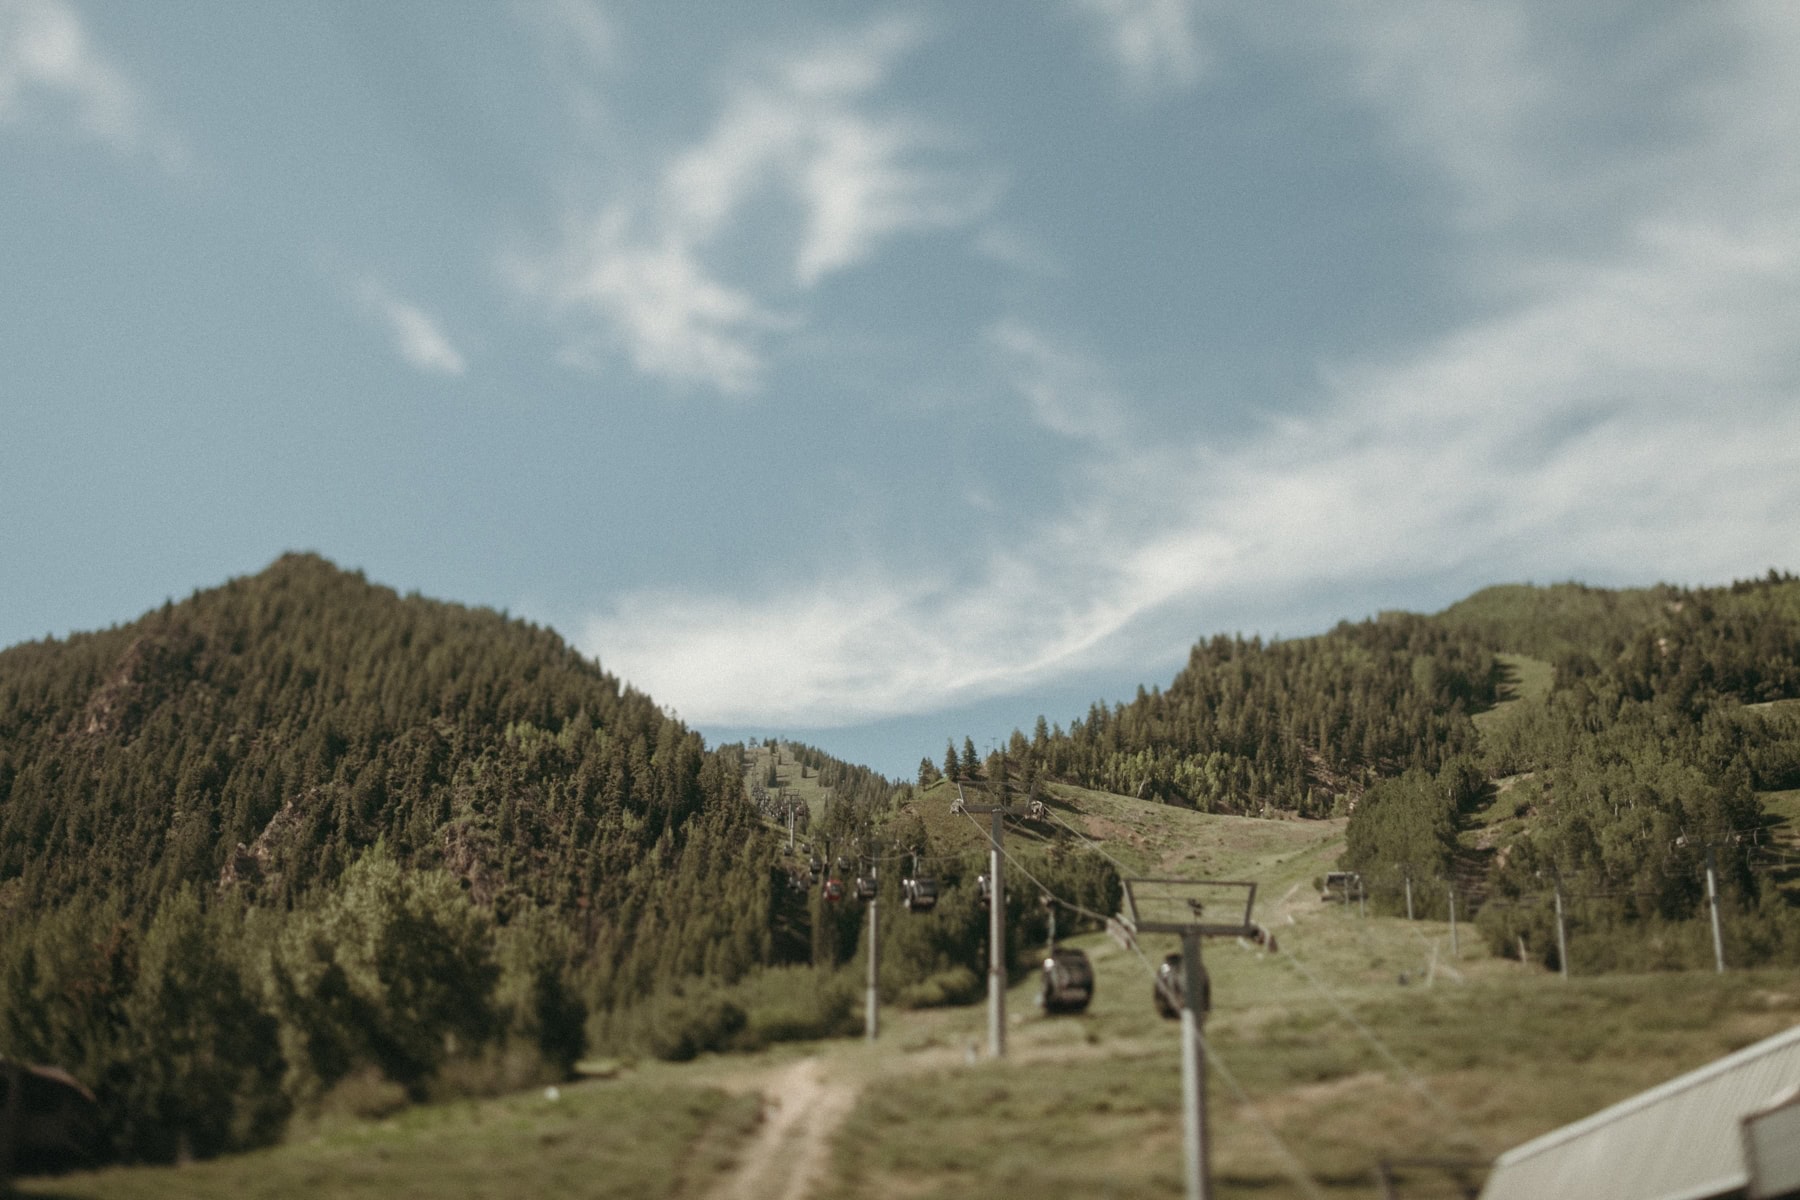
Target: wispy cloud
52, 74
1628, 402
416, 335
1155, 43
1067, 391
649, 270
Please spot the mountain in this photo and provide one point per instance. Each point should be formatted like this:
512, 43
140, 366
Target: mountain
1524, 747
299, 841
279, 789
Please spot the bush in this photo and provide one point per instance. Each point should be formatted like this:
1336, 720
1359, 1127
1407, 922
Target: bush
684, 1027
958, 985
395, 970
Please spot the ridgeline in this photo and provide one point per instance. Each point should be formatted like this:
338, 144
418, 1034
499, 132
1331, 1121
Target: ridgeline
298, 844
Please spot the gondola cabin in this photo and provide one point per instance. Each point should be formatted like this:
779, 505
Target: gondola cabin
1169, 993
834, 891
865, 888
984, 889
919, 895
1068, 981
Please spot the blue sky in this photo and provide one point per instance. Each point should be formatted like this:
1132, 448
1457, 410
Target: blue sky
875, 374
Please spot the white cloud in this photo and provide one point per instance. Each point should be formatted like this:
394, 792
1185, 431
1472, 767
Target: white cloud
51, 72
1631, 411
1067, 391
1155, 43
650, 267
417, 337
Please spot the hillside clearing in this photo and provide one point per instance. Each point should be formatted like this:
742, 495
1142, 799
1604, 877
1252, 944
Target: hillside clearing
1363, 1037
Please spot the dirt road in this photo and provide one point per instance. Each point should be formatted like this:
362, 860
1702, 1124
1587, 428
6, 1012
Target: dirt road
802, 1109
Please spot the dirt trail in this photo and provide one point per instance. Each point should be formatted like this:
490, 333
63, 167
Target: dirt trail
802, 1110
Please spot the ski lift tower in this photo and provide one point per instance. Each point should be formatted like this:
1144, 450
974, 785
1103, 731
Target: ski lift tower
996, 910
1194, 909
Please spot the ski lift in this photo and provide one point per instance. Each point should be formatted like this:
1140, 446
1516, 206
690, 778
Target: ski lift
843, 865
1171, 995
817, 867
919, 894
984, 889
1037, 811
834, 890
1068, 981
865, 887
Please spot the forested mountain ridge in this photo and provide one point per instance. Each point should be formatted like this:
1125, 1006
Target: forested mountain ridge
268, 730
1249, 726
299, 831
298, 827
1657, 733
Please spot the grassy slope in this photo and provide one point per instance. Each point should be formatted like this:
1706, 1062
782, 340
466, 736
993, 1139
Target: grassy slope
1091, 1105
787, 776
596, 1142
1523, 681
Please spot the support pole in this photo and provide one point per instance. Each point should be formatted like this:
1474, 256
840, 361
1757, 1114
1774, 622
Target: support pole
1562, 935
1712, 899
1451, 888
996, 945
1409, 915
1193, 1068
872, 1007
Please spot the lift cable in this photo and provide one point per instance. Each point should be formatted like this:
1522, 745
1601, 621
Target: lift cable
1296, 1169
1408, 1076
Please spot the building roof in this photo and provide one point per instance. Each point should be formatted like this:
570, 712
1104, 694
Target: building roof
1679, 1141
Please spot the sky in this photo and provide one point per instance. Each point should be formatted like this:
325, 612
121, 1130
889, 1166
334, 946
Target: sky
875, 375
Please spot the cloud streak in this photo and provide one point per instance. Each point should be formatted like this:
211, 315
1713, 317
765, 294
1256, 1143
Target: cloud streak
653, 273
1155, 44
415, 335
1627, 409
52, 74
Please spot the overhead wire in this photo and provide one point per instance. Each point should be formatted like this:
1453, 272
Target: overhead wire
1294, 1166
1412, 1080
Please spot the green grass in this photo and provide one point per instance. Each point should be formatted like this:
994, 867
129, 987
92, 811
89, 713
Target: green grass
1091, 1105
787, 776
1523, 681
600, 1140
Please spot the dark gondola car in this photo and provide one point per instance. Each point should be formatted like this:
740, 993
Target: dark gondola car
1068, 981
919, 895
1169, 992
865, 888
984, 889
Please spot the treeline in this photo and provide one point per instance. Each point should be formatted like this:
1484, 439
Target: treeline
1645, 759
1247, 726
238, 783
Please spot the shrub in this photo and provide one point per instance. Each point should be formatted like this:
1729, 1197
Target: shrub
958, 985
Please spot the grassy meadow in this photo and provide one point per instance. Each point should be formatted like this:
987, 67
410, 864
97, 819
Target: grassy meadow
1361, 1038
